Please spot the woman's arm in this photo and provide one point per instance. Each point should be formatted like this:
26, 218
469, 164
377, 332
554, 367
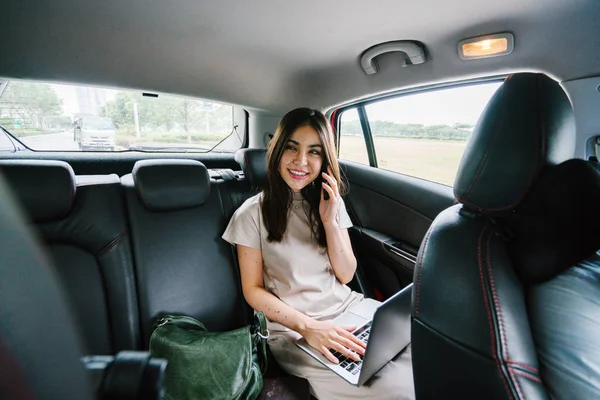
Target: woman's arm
339, 247
261, 299
323, 335
340, 253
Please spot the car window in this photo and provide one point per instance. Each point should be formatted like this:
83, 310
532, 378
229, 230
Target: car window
48, 116
352, 140
423, 134
6, 145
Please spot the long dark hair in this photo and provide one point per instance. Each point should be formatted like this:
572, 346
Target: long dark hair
277, 196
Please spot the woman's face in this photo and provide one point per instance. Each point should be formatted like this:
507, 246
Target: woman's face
301, 159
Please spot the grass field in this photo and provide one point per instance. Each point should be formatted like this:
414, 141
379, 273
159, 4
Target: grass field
434, 160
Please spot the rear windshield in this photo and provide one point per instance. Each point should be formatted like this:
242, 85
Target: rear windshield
60, 117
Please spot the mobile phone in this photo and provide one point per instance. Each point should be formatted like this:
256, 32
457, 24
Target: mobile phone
324, 170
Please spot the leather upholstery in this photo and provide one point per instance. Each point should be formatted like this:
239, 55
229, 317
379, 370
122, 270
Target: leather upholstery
562, 213
92, 251
471, 332
165, 185
471, 336
46, 193
254, 165
527, 125
183, 266
234, 190
564, 320
39, 346
92, 258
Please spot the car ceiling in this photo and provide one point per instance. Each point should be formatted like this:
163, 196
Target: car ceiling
274, 55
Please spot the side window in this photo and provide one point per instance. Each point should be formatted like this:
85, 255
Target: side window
424, 134
352, 140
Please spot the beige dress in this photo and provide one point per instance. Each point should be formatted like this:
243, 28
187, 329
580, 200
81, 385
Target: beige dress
299, 273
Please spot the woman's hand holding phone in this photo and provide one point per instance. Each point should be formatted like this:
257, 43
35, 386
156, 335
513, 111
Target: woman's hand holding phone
329, 209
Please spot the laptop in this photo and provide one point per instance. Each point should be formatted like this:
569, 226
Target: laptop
385, 327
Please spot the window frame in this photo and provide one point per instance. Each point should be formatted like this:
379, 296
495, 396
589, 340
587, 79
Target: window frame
335, 115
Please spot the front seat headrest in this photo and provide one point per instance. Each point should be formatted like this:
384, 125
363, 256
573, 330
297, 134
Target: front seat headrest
39, 343
557, 225
527, 125
254, 165
165, 185
45, 188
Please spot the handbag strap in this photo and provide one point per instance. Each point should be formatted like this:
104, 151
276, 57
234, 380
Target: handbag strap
261, 325
181, 321
261, 334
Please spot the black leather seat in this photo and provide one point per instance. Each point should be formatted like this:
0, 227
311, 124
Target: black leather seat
182, 264
83, 225
254, 165
39, 345
177, 216
472, 320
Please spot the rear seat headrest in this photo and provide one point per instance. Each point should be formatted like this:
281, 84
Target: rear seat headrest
45, 188
254, 165
166, 185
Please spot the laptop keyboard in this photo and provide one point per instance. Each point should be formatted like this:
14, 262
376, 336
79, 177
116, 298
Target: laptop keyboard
349, 364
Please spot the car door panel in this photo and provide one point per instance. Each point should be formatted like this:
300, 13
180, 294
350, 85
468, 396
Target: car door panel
392, 213
388, 215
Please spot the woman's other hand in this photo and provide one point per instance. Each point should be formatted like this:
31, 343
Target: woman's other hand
326, 337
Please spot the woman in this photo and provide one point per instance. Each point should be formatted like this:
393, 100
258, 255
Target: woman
296, 258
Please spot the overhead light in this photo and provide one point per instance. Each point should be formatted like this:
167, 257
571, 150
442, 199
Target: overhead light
499, 44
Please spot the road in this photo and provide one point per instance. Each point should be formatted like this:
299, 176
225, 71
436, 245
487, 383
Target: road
51, 141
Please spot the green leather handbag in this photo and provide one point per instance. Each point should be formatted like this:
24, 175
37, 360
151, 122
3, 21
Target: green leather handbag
210, 365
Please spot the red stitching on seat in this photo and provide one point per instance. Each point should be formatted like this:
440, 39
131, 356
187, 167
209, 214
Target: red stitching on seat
517, 385
526, 375
419, 266
487, 308
489, 314
497, 308
475, 206
524, 366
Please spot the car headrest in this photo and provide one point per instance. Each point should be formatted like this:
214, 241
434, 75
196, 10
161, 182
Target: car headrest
527, 125
39, 343
166, 185
557, 224
45, 188
254, 165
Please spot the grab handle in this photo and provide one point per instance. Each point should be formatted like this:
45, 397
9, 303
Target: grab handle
415, 54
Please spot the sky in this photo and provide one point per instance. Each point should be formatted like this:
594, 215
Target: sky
438, 107
69, 97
